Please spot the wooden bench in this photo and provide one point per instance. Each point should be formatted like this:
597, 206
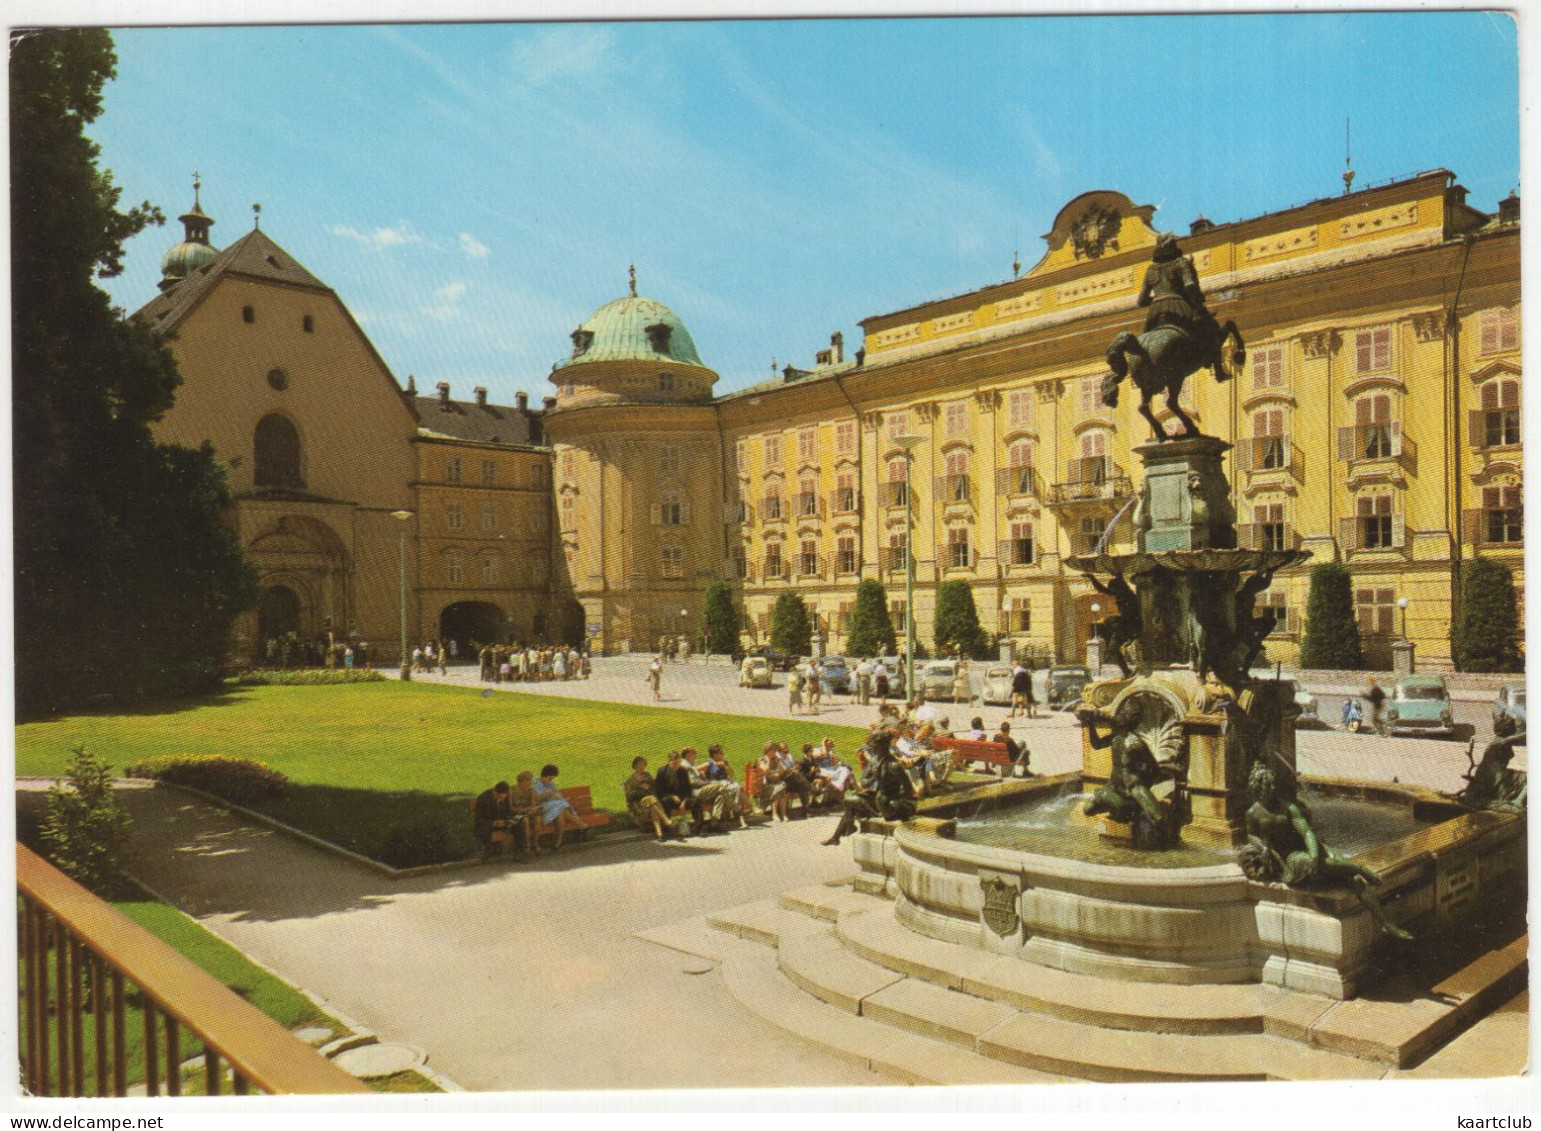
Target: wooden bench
583, 805
966, 750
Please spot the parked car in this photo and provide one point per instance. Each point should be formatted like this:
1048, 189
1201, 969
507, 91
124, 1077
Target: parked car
1303, 699
755, 672
836, 676
1063, 686
1420, 704
997, 687
1509, 710
934, 681
778, 661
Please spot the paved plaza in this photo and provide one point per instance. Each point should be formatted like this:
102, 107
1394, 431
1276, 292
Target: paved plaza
529, 976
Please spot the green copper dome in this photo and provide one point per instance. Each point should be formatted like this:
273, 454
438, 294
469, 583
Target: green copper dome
632, 328
195, 249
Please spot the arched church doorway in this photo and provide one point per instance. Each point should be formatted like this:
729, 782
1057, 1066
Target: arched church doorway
470, 624
278, 614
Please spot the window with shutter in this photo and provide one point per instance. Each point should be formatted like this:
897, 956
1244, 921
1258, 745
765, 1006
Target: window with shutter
845, 548
808, 445
772, 451
1372, 350
741, 456
957, 418
845, 437
1019, 408
958, 548
452, 470
454, 516
1268, 367
898, 424
1021, 544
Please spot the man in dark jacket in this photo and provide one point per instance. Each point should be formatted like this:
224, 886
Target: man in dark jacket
490, 814
674, 790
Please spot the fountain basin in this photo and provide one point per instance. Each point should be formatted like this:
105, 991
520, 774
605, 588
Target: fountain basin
1204, 923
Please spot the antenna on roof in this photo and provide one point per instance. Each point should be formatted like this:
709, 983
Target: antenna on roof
1348, 157
256, 216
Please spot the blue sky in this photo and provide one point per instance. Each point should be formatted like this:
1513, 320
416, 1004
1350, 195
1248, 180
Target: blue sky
474, 191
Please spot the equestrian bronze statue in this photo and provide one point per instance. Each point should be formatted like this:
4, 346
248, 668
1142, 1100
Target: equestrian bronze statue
1181, 337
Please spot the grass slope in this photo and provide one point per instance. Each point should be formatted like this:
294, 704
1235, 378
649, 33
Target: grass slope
362, 758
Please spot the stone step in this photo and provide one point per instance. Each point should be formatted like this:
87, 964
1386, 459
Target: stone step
696, 937
821, 966
1082, 998
764, 921
1050, 1044
754, 980
826, 902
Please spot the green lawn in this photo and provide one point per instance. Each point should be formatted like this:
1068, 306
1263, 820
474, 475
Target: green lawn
362, 758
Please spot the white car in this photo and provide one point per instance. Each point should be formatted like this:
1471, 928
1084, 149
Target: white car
997, 687
756, 672
935, 680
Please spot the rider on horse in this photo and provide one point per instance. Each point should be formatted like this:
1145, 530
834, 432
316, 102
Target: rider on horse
1175, 299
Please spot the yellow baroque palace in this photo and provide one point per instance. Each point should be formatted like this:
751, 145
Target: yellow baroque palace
1376, 422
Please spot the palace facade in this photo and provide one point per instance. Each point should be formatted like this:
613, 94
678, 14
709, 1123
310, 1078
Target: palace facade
1375, 422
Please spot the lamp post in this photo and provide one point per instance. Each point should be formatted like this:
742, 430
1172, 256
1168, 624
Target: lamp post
909, 444
406, 657
1402, 604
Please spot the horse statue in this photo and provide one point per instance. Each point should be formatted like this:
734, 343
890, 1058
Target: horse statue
1181, 337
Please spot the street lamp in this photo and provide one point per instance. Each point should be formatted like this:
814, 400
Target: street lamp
909, 444
1402, 604
406, 657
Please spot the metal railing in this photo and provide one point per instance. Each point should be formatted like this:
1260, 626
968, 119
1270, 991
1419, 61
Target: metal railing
1359, 442
1019, 480
1091, 480
893, 493
82, 961
1269, 453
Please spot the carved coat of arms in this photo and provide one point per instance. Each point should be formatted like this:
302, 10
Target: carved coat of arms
1095, 231
1000, 909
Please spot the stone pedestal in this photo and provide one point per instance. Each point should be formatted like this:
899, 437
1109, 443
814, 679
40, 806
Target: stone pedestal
1185, 499
1094, 655
1403, 658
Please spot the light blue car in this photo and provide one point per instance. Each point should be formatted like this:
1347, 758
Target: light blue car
1420, 704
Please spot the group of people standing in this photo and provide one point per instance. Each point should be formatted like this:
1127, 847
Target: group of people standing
325, 651
509, 663
808, 684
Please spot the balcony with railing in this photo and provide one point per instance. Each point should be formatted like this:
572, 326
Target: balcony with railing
1267, 536
894, 493
1496, 527
84, 967
1369, 443
1016, 482
1091, 480
1270, 453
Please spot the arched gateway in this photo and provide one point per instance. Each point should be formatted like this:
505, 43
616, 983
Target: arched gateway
468, 622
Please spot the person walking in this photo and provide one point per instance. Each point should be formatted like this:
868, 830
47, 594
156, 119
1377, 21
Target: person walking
1376, 698
655, 676
864, 681
795, 691
1021, 688
815, 687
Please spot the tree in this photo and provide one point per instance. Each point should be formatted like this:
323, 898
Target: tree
791, 627
85, 830
1487, 632
872, 630
957, 623
719, 618
1332, 633
127, 580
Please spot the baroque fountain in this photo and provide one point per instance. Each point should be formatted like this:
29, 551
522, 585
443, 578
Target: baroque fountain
1186, 905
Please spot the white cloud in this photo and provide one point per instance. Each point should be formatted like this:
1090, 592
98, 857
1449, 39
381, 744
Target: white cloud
398, 236
441, 312
451, 293
565, 51
472, 247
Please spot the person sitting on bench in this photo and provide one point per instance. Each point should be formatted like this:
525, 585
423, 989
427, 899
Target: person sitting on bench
494, 823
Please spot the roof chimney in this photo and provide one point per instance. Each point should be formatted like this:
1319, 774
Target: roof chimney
411, 389
1509, 209
521, 400
548, 403
1202, 224
443, 387
837, 346
481, 395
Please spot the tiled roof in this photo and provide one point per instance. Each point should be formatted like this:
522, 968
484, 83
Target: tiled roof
253, 255
482, 423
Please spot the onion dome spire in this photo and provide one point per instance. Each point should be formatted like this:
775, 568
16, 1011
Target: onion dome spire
194, 250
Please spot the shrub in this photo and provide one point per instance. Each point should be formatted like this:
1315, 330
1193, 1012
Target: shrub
308, 677
1332, 633
411, 846
719, 619
85, 830
238, 780
1487, 631
957, 623
872, 630
791, 628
